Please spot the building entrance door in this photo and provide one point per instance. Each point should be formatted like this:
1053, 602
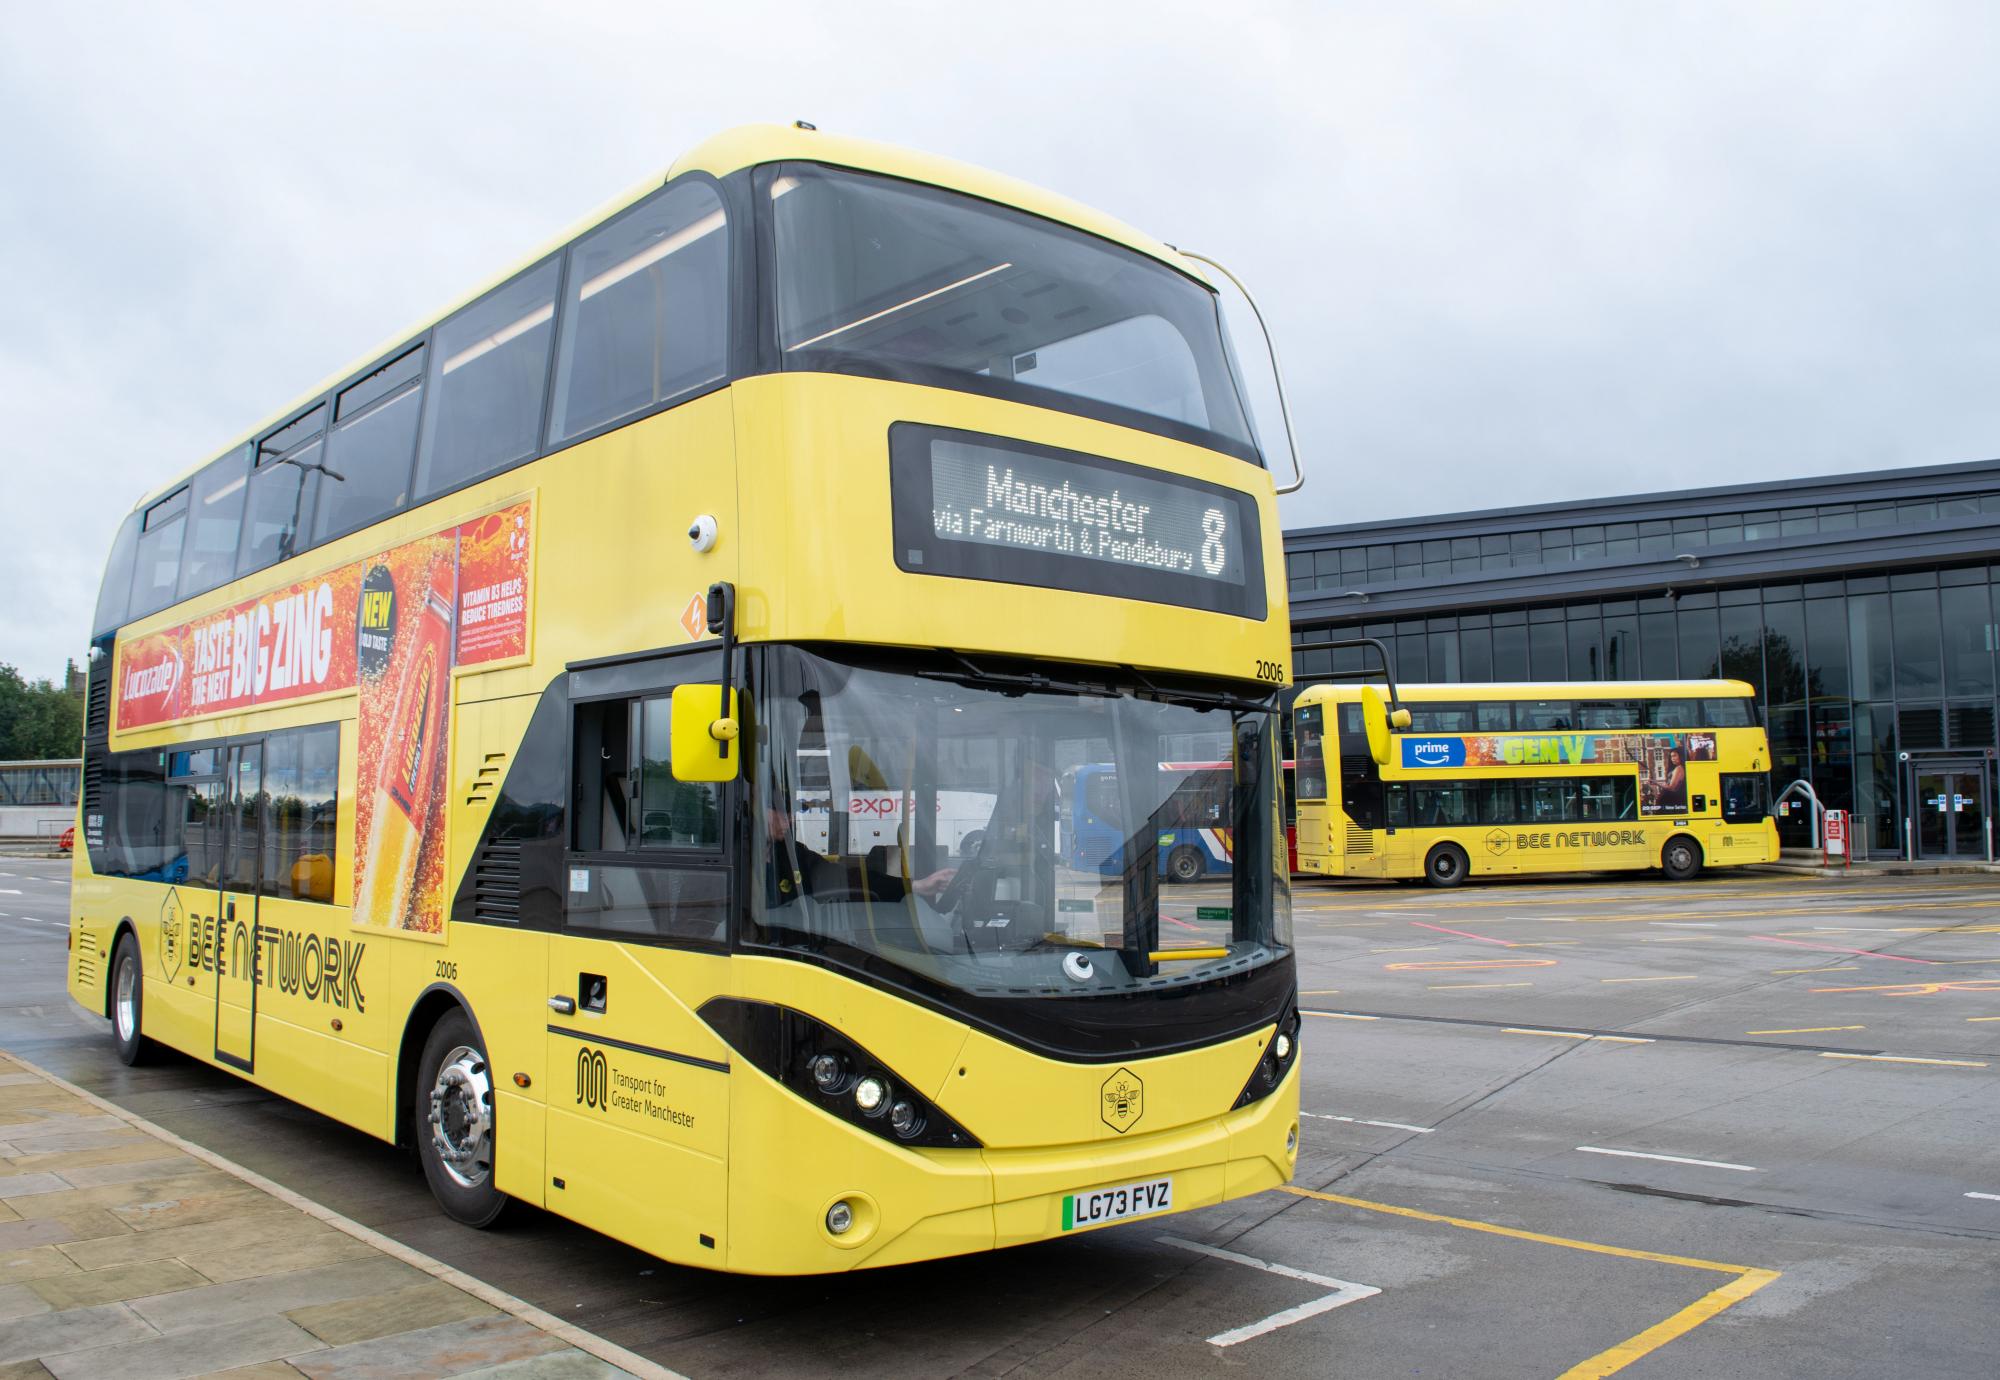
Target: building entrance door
1951, 812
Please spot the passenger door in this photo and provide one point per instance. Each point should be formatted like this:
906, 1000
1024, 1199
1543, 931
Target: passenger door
638, 1084
238, 938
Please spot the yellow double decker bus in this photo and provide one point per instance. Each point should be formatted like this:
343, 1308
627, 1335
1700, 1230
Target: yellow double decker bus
1447, 782
609, 739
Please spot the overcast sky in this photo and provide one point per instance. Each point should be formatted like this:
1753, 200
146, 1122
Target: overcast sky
1512, 253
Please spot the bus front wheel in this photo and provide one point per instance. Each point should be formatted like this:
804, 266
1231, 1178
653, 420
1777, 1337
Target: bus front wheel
1446, 865
454, 1122
1184, 864
1680, 859
128, 1003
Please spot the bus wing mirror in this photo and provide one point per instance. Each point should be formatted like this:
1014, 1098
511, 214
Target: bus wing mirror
703, 731
1380, 721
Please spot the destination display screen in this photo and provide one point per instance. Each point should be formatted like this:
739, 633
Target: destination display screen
987, 508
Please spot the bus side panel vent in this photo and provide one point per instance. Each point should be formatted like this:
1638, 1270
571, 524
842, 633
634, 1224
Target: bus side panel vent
496, 882
86, 959
97, 707
1359, 840
486, 781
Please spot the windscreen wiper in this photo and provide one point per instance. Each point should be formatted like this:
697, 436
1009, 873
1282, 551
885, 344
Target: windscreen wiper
1013, 682
1201, 699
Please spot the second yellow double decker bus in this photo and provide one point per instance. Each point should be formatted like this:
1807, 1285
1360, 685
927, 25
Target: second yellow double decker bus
609, 739
1488, 780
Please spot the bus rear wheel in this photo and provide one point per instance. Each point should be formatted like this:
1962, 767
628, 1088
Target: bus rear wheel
1184, 864
454, 1122
1681, 858
1446, 866
128, 1003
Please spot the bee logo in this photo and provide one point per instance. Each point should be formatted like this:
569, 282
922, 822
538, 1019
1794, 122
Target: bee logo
172, 923
1122, 1101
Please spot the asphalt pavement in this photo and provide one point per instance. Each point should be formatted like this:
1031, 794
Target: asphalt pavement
1745, 1126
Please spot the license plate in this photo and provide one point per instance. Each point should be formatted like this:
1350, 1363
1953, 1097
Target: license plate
1101, 1205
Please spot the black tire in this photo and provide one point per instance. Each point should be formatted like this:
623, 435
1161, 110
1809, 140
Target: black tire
1184, 864
1681, 859
457, 1152
127, 993
1446, 866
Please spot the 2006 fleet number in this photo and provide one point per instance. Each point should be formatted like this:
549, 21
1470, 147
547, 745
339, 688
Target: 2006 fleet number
1271, 671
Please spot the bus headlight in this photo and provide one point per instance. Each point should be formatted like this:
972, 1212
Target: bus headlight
827, 1068
1270, 1070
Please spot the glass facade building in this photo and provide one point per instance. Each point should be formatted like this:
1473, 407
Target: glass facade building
1874, 645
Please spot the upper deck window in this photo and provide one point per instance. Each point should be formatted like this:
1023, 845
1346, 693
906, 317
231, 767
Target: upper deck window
374, 437
488, 374
888, 277
283, 482
159, 564
646, 317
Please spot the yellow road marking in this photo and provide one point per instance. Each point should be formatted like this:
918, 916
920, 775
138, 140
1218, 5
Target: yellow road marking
1450, 986
1983, 1018
1749, 1279
1616, 1358
1681, 977
1322, 992
1521, 1233
1904, 1059
1807, 1030
1563, 1034
1341, 1016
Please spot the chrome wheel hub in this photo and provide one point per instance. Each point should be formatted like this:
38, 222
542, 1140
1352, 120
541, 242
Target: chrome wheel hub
125, 1001
462, 1117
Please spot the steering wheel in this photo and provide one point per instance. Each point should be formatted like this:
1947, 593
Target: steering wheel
955, 889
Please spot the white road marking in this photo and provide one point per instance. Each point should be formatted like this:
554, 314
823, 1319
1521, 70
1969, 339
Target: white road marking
1343, 1293
1363, 1121
1341, 1016
1564, 1034
1994, 1197
1670, 1159
10, 891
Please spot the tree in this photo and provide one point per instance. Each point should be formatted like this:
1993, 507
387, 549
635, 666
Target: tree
38, 719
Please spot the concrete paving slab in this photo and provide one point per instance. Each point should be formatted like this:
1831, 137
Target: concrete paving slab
566, 1365
80, 1288
24, 1370
428, 1304
273, 1223
451, 1349
276, 1292
99, 1175
20, 1300
33, 1232
39, 1262
201, 1351
245, 1262
48, 1334
172, 1262
24, 1185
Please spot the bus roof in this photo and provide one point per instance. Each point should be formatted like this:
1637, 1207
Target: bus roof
1536, 690
748, 146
